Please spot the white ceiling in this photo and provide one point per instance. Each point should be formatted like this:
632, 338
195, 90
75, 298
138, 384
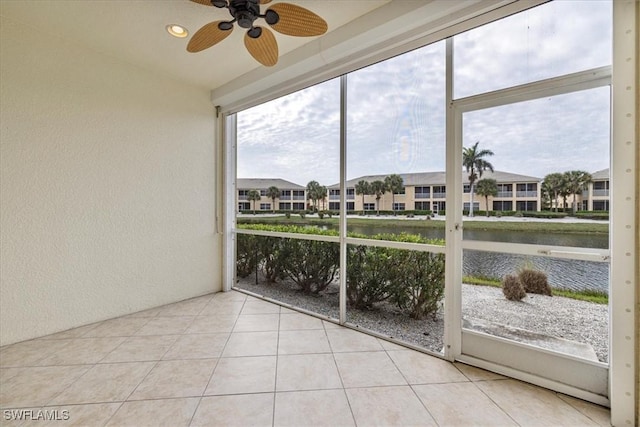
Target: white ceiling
134, 31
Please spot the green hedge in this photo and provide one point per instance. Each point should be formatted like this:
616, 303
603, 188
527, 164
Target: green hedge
543, 214
602, 215
412, 280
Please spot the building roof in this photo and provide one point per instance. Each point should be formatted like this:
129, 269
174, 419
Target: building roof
602, 174
439, 178
264, 183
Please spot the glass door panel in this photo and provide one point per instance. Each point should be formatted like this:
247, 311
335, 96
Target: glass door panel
536, 263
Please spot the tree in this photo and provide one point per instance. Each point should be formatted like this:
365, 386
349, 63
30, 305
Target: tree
363, 188
273, 193
474, 162
575, 182
487, 187
378, 188
394, 184
313, 193
253, 196
322, 195
553, 185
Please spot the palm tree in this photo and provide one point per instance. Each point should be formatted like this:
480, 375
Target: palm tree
313, 190
273, 193
378, 188
322, 195
487, 187
394, 184
576, 181
553, 184
474, 162
363, 188
253, 196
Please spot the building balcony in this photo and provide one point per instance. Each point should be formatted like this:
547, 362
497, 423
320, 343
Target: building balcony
600, 193
188, 348
526, 194
422, 196
505, 194
243, 197
334, 197
298, 198
439, 195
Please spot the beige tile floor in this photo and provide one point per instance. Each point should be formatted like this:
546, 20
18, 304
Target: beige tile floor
229, 359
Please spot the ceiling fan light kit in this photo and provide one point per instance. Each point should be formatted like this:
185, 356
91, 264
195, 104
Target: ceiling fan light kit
285, 18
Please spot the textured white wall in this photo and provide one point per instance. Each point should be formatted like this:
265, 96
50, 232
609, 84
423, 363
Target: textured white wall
106, 187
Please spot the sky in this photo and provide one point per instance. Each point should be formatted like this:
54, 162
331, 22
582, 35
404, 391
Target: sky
396, 108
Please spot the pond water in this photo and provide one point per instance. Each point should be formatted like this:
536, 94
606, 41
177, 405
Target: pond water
562, 273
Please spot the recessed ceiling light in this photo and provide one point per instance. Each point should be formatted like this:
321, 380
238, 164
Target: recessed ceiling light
177, 30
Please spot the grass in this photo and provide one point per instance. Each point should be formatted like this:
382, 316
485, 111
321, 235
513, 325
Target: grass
590, 296
540, 227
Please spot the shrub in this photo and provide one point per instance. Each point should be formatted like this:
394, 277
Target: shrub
269, 249
302, 215
419, 282
321, 215
512, 288
287, 215
246, 255
311, 264
369, 275
534, 281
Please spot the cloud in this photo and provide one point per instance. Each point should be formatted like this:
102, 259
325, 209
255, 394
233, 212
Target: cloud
396, 108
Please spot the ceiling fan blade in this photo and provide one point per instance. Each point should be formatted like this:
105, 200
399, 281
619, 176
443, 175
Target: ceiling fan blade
264, 48
207, 36
298, 21
203, 2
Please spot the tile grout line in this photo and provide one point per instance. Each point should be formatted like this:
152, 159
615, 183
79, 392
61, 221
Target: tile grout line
217, 362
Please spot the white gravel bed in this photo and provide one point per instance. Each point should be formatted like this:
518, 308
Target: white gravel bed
566, 318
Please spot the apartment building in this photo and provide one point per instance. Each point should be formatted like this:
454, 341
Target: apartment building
596, 196
292, 196
428, 191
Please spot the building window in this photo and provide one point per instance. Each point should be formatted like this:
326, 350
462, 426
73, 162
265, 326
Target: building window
527, 190
439, 206
505, 190
284, 206
334, 194
265, 206
422, 206
244, 206
298, 195
400, 192
476, 206
334, 206
369, 206
398, 206
285, 194
243, 194
263, 193
526, 206
506, 205
298, 206
351, 206
466, 188
351, 193
422, 192
439, 191
600, 205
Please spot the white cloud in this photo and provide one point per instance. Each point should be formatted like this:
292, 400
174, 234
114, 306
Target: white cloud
396, 108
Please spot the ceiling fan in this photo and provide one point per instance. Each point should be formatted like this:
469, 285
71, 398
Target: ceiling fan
285, 18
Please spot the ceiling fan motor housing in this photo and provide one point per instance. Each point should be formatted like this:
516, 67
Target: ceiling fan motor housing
245, 12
